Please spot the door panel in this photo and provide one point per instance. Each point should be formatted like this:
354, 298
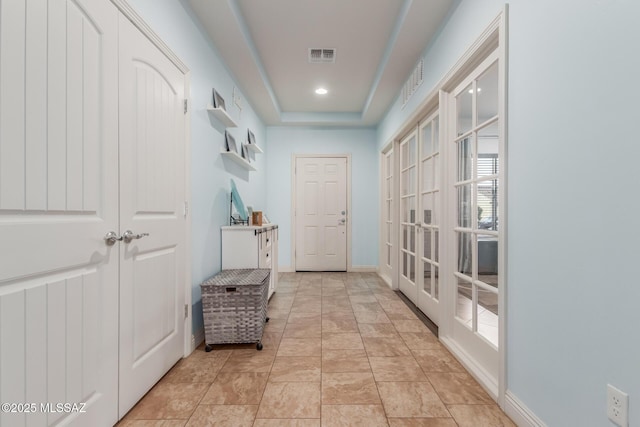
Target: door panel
151, 196
409, 223
321, 205
58, 198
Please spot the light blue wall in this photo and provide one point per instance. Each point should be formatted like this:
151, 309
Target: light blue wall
360, 143
177, 25
573, 198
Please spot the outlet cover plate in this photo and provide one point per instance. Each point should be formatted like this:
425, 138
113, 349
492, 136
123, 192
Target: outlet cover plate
617, 406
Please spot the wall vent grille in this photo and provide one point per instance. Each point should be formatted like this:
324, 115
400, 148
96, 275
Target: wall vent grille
322, 55
413, 82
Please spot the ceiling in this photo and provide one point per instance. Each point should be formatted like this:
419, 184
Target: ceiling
265, 44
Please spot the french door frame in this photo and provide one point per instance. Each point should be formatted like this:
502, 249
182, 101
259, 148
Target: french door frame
388, 262
494, 37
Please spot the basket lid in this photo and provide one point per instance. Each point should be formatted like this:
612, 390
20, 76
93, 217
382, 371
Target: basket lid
247, 276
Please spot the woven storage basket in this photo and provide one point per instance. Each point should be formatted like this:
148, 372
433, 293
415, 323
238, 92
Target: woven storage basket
234, 306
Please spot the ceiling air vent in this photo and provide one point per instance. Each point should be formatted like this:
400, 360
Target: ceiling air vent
413, 82
322, 56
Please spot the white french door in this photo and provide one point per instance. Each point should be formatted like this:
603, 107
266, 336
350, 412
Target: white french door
321, 213
152, 195
430, 206
58, 198
388, 232
409, 223
476, 149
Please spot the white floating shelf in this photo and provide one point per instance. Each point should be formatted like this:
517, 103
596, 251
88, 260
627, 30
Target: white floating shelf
254, 148
222, 116
235, 157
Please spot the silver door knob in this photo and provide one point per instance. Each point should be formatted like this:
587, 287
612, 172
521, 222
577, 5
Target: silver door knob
343, 220
128, 236
111, 238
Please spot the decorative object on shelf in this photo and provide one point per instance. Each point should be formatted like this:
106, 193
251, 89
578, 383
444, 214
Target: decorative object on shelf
256, 218
265, 220
251, 137
230, 142
243, 217
245, 153
218, 100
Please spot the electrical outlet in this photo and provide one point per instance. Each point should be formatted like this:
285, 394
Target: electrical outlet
617, 406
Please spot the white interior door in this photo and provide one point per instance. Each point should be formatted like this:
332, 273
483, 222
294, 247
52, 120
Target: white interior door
152, 195
388, 231
409, 223
430, 206
58, 198
321, 213
477, 162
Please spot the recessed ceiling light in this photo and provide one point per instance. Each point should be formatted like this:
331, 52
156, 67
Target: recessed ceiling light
321, 91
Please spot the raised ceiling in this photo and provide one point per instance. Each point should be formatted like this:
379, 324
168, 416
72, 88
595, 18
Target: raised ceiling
265, 44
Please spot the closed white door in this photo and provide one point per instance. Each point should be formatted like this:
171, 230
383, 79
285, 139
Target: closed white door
58, 199
321, 213
152, 195
388, 232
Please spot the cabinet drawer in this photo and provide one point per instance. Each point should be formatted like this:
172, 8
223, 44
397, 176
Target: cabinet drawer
265, 258
266, 239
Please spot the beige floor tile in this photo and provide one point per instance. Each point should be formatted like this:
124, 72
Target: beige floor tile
308, 307
349, 389
286, 423
290, 400
458, 388
341, 341
275, 325
339, 315
249, 360
273, 314
236, 388
369, 297
409, 325
291, 369
308, 347
422, 422
345, 361
309, 329
378, 330
402, 315
385, 347
420, 340
371, 317
339, 325
196, 369
223, 416
353, 416
437, 360
334, 292
169, 401
151, 423
411, 399
368, 307
304, 317
399, 368
480, 416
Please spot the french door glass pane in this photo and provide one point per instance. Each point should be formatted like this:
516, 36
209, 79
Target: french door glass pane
405, 237
464, 303
412, 238
488, 315
427, 277
409, 209
427, 208
427, 141
464, 106
435, 282
427, 243
464, 206
412, 151
465, 259
436, 135
427, 174
405, 264
488, 260
487, 202
436, 246
487, 100
412, 268
436, 171
408, 181
465, 159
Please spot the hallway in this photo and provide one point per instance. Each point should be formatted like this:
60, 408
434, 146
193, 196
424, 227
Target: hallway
340, 349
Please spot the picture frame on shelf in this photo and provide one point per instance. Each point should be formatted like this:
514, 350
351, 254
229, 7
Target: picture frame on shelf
245, 153
218, 100
251, 138
230, 142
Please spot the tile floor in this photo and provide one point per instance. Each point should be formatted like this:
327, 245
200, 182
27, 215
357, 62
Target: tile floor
340, 350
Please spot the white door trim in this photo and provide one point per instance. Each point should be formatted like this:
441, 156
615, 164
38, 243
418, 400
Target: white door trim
130, 13
294, 158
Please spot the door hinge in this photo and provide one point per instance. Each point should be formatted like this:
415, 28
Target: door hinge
186, 311
186, 103
186, 209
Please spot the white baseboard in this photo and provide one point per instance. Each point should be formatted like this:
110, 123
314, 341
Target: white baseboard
519, 413
197, 339
386, 279
363, 269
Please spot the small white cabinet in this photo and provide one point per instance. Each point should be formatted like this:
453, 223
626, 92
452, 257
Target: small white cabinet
251, 247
